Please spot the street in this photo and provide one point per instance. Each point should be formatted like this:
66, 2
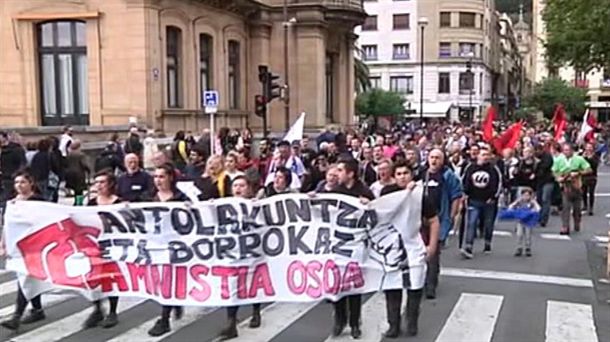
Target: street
555, 295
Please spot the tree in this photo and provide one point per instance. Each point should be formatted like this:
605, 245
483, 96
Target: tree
378, 102
551, 91
578, 33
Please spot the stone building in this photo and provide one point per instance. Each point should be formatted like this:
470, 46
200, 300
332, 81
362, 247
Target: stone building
99, 62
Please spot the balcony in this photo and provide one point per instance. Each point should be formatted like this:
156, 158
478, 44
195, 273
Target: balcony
584, 84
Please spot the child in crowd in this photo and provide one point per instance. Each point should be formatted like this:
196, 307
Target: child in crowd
528, 210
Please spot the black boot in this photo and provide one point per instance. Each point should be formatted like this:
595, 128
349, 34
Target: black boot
230, 331
255, 321
356, 332
12, 323
338, 328
413, 303
94, 319
110, 321
393, 331
34, 316
161, 327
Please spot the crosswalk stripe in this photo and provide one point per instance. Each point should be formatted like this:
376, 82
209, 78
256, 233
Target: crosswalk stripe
275, 318
140, 333
502, 233
555, 236
473, 318
55, 331
513, 276
569, 322
8, 287
48, 300
373, 321
601, 238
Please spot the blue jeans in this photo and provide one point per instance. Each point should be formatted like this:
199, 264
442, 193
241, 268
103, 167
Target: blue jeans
485, 212
544, 196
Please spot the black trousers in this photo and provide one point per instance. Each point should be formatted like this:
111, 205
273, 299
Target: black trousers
588, 194
352, 303
114, 303
22, 303
232, 311
434, 269
393, 302
166, 311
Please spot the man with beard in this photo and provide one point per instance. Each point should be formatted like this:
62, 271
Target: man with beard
443, 187
403, 176
350, 185
412, 160
482, 187
368, 166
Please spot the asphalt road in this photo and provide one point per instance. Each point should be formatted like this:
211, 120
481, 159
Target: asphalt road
558, 294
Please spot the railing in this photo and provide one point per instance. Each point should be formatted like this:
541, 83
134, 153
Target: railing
344, 3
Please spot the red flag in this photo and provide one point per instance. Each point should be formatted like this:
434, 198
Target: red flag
509, 138
559, 121
488, 128
592, 122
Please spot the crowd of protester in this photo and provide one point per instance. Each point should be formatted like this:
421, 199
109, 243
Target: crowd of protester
465, 182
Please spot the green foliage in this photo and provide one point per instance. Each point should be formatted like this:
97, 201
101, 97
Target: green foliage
552, 91
578, 33
526, 114
378, 102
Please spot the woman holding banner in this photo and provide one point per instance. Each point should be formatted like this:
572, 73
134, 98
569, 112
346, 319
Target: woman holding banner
166, 191
241, 188
106, 185
26, 190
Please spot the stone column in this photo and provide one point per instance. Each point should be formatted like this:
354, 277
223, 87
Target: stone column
307, 93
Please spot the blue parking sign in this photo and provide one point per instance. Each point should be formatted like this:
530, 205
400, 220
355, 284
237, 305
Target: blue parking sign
210, 98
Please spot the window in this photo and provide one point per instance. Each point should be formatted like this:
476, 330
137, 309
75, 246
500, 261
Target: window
401, 84
401, 51
445, 19
467, 50
480, 83
173, 36
444, 49
375, 82
466, 82
234, 68
369, 52
206, 53
444, 83
401, 21
467, 19
62, 47
370, 23
330, 84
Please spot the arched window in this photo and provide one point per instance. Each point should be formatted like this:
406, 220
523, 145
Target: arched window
206, 54
234, 68
173, 47
62, 48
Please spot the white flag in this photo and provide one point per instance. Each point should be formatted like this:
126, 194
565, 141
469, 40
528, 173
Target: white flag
296, 130
584, 129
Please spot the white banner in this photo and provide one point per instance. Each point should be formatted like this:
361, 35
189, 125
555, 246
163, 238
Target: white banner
287, 248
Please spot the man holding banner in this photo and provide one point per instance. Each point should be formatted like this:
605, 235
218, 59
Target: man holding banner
403, 176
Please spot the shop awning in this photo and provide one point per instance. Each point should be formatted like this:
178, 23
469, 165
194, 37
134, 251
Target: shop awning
431, 109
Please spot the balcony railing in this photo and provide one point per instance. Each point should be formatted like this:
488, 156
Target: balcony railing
581, 83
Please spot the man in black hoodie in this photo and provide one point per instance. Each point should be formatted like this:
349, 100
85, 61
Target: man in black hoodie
482, 187
545, 183
12, 158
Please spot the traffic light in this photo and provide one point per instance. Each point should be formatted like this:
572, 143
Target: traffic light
273, 88
260, 106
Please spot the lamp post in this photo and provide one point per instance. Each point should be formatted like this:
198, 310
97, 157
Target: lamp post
286, 93
470, 86
422, 22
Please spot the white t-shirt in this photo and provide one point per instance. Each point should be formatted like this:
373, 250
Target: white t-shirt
64, 142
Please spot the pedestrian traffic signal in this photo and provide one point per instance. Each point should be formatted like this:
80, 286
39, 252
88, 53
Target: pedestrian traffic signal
260, 106
263, 71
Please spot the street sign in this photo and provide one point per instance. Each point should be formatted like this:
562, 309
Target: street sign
210, 101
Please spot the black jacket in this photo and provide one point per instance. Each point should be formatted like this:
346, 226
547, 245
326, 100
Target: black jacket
544, 174
12, 159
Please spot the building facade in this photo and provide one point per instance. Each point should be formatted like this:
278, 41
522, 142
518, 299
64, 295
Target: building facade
460, 53
101, 62
596, 82
510, 76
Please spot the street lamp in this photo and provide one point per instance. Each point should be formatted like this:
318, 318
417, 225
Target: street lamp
286, 94
422, 22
